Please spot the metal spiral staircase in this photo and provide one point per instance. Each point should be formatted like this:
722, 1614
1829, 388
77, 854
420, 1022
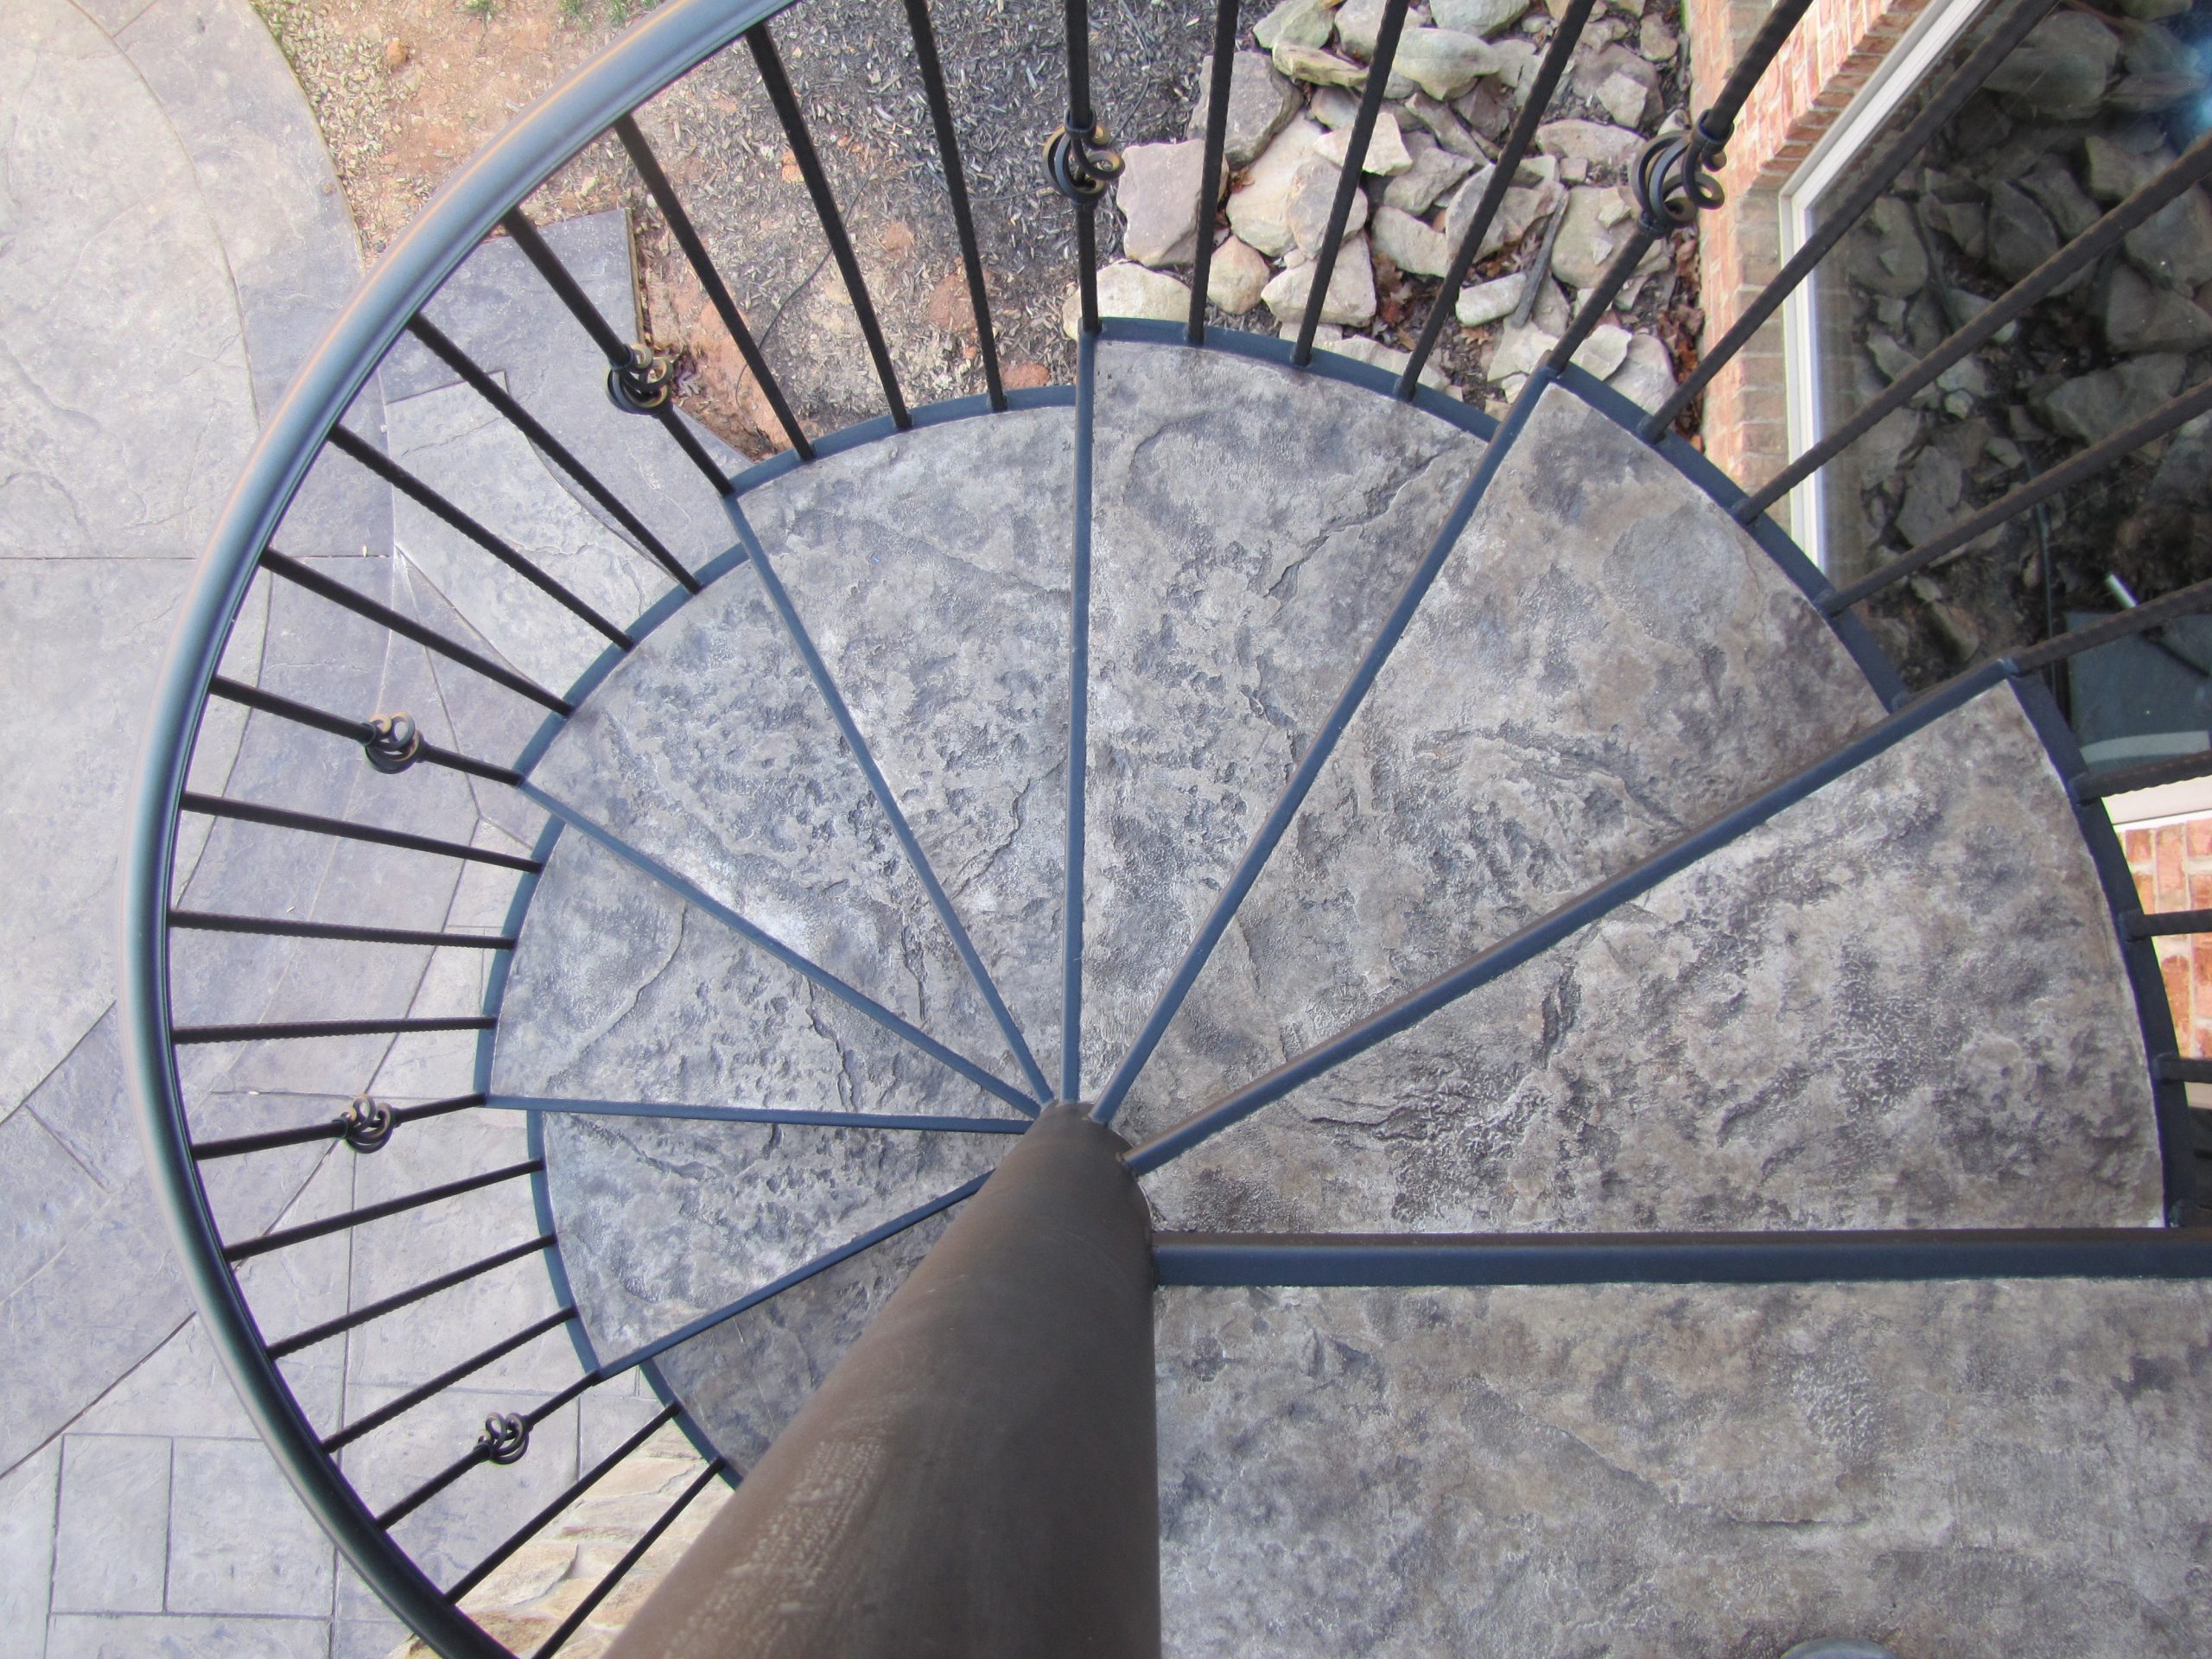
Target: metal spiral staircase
1423, 855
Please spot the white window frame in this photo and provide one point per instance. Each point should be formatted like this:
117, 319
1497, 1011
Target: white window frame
1940, 23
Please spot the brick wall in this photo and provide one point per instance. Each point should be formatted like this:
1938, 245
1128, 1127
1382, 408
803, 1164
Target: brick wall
1834, 52
2172, 866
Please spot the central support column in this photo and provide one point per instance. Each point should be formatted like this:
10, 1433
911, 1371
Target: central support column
978, 1475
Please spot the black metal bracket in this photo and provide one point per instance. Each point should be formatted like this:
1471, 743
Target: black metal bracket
643, 385
505, 1437
1081, 165
1674, 176
394, 743
369, 1124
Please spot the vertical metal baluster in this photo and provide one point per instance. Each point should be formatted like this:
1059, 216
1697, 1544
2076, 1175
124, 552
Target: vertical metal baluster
1362, 130
633, 376
955, 186
496, 395
710, 279
1501, 180
1951, 92
1673, 181
1224, 54
1081, 162
779, 87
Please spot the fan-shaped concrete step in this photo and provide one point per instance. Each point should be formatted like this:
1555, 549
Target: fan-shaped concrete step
1899, 1002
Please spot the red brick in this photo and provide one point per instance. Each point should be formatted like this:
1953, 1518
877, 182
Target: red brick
2138, 843
2173, 887
2176, 971
2200, 837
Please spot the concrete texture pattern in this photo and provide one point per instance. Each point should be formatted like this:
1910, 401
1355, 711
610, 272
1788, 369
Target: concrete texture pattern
1995, 1471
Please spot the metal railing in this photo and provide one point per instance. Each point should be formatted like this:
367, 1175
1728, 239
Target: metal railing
1674, 181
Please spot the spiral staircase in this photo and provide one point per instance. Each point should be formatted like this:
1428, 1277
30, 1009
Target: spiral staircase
1653, 1140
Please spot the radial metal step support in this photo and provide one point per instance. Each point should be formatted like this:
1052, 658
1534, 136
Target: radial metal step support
977, 1475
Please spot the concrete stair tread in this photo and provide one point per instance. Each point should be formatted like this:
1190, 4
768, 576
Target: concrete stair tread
1899, 1003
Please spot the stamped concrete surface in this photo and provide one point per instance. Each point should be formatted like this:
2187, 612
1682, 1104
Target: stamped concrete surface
1251, 528
1998, 1470
1604, 662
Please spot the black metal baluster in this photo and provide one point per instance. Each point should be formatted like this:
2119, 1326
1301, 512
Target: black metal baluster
955, 185
1674, 181
710, 278
408, 485
375, 737
1080, 160
1362, 130
2094, 459
314, 581
408, 1298
395, 1408
1517, 141
584, 1482
636, 380
1224, 56
599, 1593
332, 1130
1950, 93
291, 1030
217, 806
2194, 166
203, 921
284, 1237
523, 421
779, 87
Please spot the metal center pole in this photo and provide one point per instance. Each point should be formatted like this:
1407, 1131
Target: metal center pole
978, 1476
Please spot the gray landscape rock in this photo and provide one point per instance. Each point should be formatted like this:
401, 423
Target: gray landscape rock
1931, 496
2021, 235
1351, 298
1442, 120
1387, 155
1443, 62
1130, 291
2055, 190
1517, 68
1655, 41
1235, 276
1884, 251
1260, 102
1599, 217
2185, 470
1319, 69
1158, 196
1482, 303
1312, 197
1891, 357
1333, 107
1593, 142
1518, 351
1646, 376
2060, 69
1625, 98
1523, 208
1433, 170
2091, 407
1360, 24
1259, 209
2174, 244
1361, 349
2141, 316
1483, 17
1295, 22
1604, 350
2113, 171
1409, 244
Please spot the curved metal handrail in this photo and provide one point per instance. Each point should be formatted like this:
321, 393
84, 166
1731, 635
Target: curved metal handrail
646, 58
598, 99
